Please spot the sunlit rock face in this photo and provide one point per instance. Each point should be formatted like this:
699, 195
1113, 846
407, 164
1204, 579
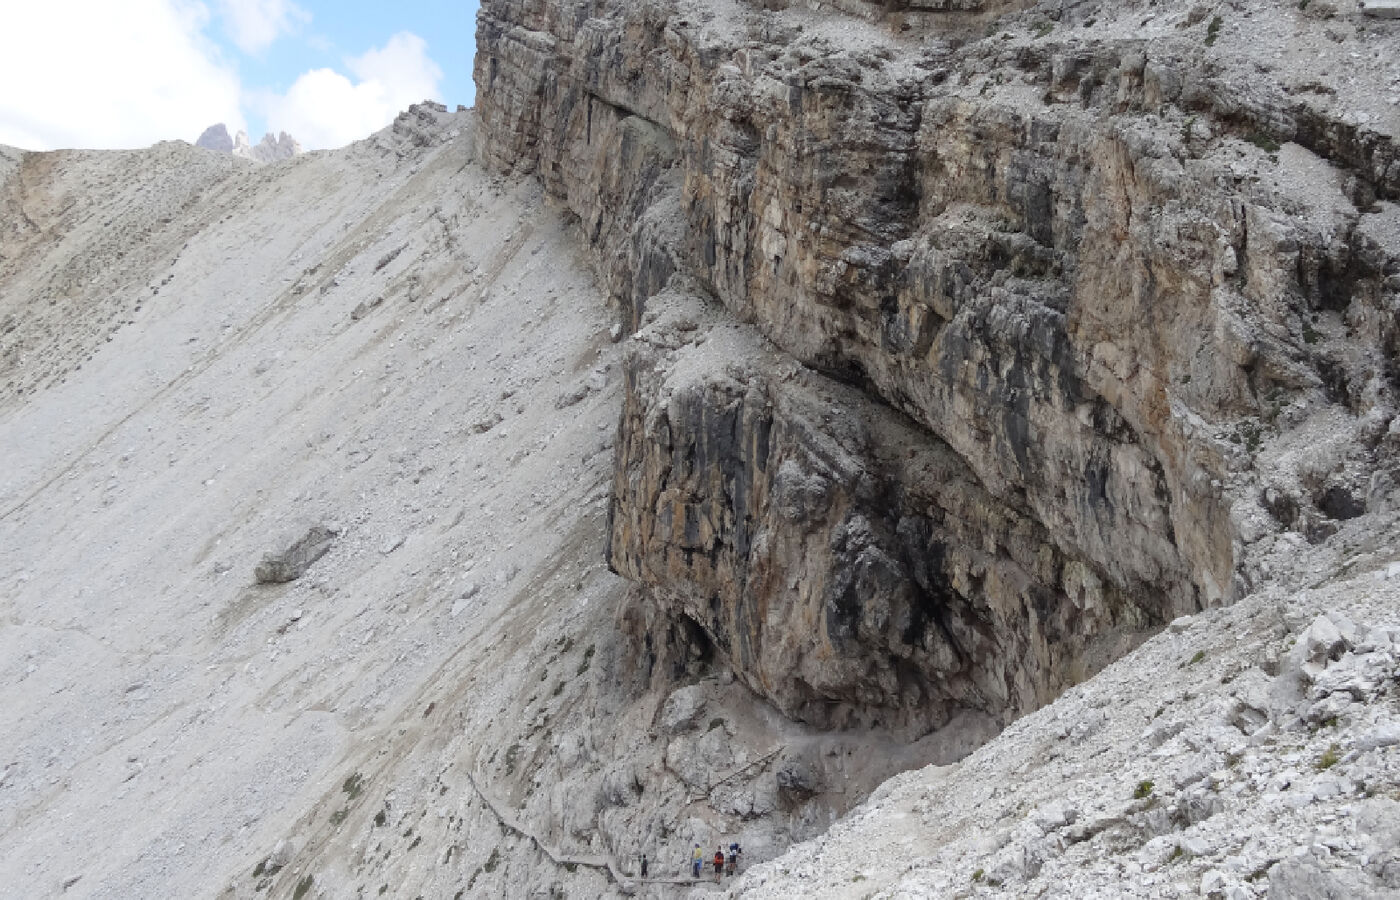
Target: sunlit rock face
1058, 265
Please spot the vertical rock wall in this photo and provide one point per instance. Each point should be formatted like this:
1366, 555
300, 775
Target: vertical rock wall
849, 567
1057, 259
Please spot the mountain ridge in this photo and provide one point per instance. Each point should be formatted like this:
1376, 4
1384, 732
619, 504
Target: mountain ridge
269, 149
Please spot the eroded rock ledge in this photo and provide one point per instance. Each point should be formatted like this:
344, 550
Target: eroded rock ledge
849, 566
1103, 279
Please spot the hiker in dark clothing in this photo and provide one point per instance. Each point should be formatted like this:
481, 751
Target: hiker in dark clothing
644, 865
732, 862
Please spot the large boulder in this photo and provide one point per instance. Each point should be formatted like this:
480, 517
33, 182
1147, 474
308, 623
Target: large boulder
292, 563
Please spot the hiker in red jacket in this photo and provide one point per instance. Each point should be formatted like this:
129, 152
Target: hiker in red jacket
719, 863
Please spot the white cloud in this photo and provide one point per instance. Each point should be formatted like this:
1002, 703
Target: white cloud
253, 25
98, 74
324, 108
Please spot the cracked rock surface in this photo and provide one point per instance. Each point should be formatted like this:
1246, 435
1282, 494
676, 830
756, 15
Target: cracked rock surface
1133, 270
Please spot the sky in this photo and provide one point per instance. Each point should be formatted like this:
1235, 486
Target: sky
100, 74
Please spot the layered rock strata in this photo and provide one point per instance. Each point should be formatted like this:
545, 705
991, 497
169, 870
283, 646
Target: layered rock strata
848, 566
1078, 263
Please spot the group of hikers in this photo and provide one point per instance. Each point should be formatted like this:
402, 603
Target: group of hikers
724, 864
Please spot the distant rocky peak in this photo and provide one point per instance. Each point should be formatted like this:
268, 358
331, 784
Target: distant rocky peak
269, 149
216, 138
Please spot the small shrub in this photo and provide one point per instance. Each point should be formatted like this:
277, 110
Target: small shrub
977, 876
380, 818
1200, 655
571, 867
1213, 30
587, 659
354, 786
261, 867
1043, 29
715, 723
1143, 790
1263, 141
512, 757
1310, 335
1177, 853
494, 861
339, 816
303, 887
1329, 758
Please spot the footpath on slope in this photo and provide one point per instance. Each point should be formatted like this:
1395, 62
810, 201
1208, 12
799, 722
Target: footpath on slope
556, 856
626, 883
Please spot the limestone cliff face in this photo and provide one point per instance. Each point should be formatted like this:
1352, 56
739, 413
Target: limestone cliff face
1096, 276
850, 567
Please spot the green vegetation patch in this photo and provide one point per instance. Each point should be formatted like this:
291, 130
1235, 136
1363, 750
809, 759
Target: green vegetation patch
1263, 141
354, 786
1213, 30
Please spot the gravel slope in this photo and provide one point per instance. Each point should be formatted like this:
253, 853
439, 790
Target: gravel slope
1248, 751
205, 358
